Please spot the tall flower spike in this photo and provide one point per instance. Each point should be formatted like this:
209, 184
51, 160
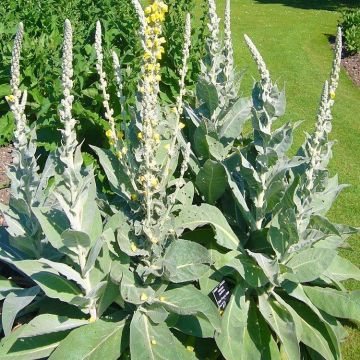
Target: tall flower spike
109, 112
16, 101
120, 86
228, 50
334, 76
264, 72
182, 92
214, 28
149, 88
69, 142
15, 60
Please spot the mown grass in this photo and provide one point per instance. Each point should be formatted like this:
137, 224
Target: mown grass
293, 37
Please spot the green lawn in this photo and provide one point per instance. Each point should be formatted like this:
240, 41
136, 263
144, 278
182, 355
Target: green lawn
292, 36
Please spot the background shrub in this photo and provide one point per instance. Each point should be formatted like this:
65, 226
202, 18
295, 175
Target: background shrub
350, 23
43, 22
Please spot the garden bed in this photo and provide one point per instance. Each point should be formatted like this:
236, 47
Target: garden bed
352, 65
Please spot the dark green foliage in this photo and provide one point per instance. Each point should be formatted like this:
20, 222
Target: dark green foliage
350, 23
41, 73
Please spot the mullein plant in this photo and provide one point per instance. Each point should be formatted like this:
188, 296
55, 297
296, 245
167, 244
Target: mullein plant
157, 266
128, 279
133, 279
73, 273
219, 115
26, 185
285, 276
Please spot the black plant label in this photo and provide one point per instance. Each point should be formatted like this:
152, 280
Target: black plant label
221, 294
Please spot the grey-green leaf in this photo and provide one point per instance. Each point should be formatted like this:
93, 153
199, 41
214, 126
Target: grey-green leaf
211, 180
188, 300
231, 339
340, 304
185, 261
150, 341
100, 340
50, 323
14, 303
282, 323
192, 217
310, 264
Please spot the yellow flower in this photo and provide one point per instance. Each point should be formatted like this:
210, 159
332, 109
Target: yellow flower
119, 155
147, 55
162, 298
157, 30
133, 197
10, 98
120, 134
173, 110
158, 78
149, 43
143, 297
142, 89
167, 146
133, 247
190, 348
154, 182
140, 135
332, 95
141, 178
92, 320
148, 10
150, 67
158, 55
156, 137
181, 125
154, 240
153, 342
111, 142
109, 133
221, 312
124, 150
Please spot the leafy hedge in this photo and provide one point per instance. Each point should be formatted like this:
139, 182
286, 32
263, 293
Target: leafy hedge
41, 73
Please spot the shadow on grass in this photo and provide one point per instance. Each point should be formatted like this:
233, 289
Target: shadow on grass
331, 5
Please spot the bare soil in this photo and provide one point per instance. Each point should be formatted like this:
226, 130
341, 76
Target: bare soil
5, 160
352, 65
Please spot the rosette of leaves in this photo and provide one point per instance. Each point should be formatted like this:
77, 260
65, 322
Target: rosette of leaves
287, 293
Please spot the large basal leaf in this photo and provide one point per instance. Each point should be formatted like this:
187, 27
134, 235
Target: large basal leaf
310, 264
192, 217
247, 267
282, 323
149, 341
211, 180
185, 261
14, 347
233, 121
54, 285
194, 325
341, 269
188, 300
100, 340
232, 338
53, 223
314, 332
7, 286
340, 304
260, 342
14, 303
50, 323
